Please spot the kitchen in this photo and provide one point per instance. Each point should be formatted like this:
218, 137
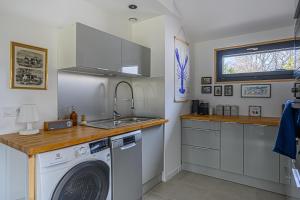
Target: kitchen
101, 94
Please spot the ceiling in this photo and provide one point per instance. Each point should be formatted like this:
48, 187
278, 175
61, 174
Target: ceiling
201, 19
212, 19
119, 8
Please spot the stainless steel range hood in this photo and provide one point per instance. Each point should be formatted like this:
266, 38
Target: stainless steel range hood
93, 71
86, 50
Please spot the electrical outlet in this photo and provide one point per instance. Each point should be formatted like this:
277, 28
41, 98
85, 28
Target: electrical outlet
10, 112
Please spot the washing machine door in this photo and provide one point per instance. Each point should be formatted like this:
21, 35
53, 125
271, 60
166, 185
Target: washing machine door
86, 181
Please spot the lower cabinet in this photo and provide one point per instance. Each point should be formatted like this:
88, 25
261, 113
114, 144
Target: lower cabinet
201, 156
232, 147
152, 152
285, 167
201, 138
201, 143
259, 159
245, 150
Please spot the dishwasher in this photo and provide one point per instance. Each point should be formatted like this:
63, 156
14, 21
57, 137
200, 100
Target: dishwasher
127, 166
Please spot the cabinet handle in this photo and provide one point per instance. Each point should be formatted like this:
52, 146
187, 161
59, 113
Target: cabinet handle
260, 125
230, 122
204, 148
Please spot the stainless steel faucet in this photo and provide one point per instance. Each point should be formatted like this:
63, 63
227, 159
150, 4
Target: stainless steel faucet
115, 113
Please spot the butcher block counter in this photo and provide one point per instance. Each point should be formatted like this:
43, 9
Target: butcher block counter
268, 121
56, 139
47, 141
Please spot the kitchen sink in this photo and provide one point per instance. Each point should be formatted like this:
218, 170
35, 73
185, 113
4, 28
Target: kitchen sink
120, 122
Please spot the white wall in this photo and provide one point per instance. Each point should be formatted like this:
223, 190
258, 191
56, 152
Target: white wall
38, 25
2, 170
158, 33
203, 65
149, 93
25, 31
59, 13
172, 110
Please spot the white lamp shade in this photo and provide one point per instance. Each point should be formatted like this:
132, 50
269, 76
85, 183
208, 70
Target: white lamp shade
28, 113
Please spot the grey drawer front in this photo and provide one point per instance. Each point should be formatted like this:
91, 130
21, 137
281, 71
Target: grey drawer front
201, 138
205, 125
201, 156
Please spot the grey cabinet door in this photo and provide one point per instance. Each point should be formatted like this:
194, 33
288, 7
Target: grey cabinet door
201, 124
152, 152
285, 170
136, 59
232, 147
259, 159
201, 156
97, 49
201, 138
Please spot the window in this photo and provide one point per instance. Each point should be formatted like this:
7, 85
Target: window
267, 61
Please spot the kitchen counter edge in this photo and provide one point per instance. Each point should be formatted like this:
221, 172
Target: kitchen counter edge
47, 141
265, 121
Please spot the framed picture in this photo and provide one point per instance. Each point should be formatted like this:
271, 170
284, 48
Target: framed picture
206, 80
28, 67
228, 90
255, 111
218, 90
206, 90
182, 79
297, 92
256, 91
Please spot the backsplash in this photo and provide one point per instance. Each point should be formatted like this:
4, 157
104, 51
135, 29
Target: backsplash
149, 96
90, 95
93, 96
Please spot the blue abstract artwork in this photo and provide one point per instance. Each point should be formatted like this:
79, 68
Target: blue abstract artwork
181, 70
182, 65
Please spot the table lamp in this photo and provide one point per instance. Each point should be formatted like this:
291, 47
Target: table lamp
28, 113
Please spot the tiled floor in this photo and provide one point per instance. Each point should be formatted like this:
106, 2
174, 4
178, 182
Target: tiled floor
190, 186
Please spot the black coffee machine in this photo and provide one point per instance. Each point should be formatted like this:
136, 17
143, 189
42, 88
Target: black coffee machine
200, 107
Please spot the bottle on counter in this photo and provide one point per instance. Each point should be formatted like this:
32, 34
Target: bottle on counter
83, 120
74, 116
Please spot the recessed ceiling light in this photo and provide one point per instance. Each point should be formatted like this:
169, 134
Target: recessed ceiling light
133, 19
132, 6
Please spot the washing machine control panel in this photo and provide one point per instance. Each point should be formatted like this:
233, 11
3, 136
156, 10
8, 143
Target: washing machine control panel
98, 146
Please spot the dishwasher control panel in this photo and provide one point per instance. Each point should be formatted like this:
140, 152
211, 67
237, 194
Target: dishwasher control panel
98, 146
129, 140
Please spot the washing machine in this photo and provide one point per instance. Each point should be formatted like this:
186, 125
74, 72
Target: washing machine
81, 172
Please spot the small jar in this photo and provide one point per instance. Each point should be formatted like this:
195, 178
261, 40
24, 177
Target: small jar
83, 120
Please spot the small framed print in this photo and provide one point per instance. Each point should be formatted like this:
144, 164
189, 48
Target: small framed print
297, 90
218, 90
28, 67
255, 111
228, 90
206, 80
206, 89
256, 91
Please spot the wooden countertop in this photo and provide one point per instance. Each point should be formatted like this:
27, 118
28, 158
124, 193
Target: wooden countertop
269, 121
57, 139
